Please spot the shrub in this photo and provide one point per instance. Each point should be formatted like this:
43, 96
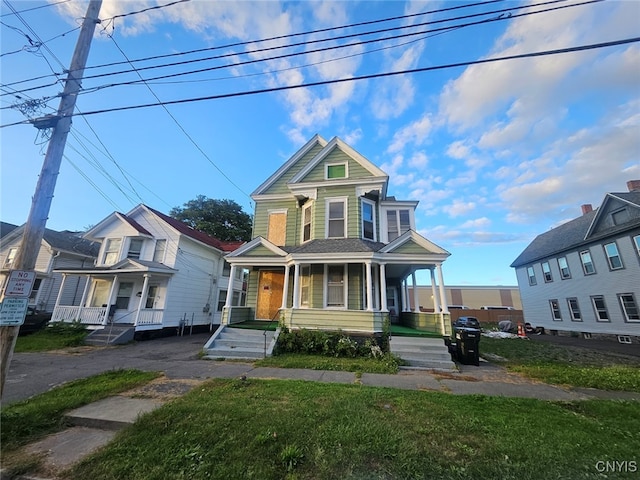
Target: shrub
330, 344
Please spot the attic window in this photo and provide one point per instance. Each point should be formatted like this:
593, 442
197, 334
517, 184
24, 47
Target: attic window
620, 216
336, 170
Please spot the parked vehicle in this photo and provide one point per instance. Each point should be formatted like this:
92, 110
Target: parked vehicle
34, 321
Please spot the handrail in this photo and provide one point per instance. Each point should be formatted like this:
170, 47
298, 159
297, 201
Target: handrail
264, 333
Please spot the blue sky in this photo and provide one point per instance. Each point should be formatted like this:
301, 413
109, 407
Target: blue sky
495, 153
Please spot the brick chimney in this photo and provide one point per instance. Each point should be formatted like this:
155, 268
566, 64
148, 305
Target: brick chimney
633, 185
586, 208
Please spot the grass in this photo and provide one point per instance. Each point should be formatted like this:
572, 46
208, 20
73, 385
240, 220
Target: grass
274, 429
402, 331
566, 365
387, 364
31, 419
53, 337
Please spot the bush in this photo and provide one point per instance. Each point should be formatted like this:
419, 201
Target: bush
330, 344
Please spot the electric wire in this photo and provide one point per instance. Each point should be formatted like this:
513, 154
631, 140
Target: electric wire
35, 8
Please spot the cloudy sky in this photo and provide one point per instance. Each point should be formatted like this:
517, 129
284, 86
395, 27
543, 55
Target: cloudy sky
495, 152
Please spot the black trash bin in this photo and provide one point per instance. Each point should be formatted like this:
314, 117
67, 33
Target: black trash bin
465, 341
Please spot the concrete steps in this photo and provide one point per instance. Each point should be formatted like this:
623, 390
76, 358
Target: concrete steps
420, 352
111, 335
238, 343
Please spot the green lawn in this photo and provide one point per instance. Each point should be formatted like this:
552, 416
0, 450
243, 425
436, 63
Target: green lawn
274, 429
53, 337
386, 364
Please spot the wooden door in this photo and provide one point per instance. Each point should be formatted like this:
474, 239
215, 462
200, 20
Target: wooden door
270, 285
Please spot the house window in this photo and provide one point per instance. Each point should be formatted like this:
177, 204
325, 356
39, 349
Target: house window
222, 299
306, 222
564, 268
34, 291
125, 290
620, 216
600, 308
235, 299
100, 297
398, 222
636, 242
226, 269
336, 218
305, 285
336, 170
11, 257
629, 307
587, 264
368, 220
277, 229
239, 273
152, 294
613, 257
336, 286
574, 309
158, 252
546, 272
532, 276
112, 250
135, 247
555, 310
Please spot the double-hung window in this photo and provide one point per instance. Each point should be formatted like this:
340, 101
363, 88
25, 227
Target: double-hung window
613, 256
125, 290
305, 285
574, 309
555, 310
335, 286
11, 257
222, 300
587, 263
600, 308
112, 250
135, 248
564, 268
336, 226
532, 276
398, 222
636, 242
160, 248
306, 221
629, 307
368, 220
546, 272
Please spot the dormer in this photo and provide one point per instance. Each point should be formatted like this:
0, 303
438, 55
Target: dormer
396, 218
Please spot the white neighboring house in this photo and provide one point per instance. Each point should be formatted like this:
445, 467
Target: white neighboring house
584, 276
153, 272
58, 250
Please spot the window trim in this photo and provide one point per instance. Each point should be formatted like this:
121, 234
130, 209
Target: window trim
597, 311
584, 269
345, 292
625, 314
159, 254
139, 252
307, 206
532, 278
546, 275
336, 164
554, 304
328, 202
561, 268
107, 250
278, 211
366, 201
10, 259
636, 241
572, 311
606, 254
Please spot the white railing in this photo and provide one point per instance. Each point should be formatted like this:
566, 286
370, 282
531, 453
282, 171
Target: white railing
86, 315
150, 316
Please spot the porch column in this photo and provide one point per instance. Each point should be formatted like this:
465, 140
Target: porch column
113, 288
143, 297
434, 293
383, 288
232, 275
296, 285
416, 308
443, 295
369, 287
405, 296
285, 287
64, 279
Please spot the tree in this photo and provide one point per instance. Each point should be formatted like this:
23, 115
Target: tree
222, 219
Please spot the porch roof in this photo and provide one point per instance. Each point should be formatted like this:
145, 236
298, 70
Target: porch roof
335, 245
126, 266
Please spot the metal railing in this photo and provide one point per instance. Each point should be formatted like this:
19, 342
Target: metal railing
277, 315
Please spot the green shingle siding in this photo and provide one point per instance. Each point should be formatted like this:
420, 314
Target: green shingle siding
355, 170
409, 248
280, 185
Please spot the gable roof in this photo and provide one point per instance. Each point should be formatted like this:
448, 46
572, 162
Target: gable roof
6, 228
328, 148
413, 236
630, 198
66, 241
315, 140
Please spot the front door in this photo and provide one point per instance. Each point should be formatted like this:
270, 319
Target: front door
270, 285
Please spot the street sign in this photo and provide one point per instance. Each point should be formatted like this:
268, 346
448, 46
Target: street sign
20, 283
13, 311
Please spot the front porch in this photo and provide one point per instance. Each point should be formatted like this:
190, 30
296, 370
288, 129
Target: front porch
99, 316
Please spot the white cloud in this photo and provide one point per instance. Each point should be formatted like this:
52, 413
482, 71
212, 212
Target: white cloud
481, 222
419, 160
458, 207
415, 133
458, 150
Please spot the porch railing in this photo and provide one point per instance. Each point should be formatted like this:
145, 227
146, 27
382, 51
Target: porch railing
85, 315
149, 316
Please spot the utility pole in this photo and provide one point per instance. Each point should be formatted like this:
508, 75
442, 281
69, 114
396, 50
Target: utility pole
41, 203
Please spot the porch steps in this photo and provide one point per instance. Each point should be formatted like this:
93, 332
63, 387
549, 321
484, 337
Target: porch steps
420, 352
111, 335
238, 343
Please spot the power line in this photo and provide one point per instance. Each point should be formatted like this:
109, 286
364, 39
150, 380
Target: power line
366, 77
250, 42
34, 8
